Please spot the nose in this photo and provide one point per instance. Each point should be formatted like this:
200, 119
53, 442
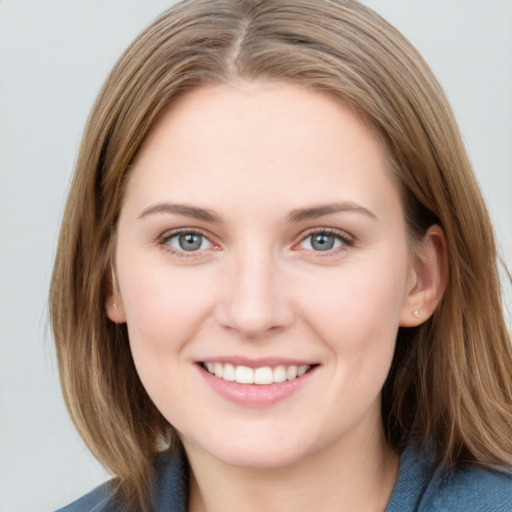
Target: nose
254, 301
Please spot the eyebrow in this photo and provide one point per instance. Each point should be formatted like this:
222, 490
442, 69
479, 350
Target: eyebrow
182, 209
302, 214
297, 215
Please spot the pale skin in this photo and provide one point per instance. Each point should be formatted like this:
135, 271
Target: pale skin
297, 252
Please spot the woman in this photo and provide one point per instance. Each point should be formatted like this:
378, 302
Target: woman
276, 282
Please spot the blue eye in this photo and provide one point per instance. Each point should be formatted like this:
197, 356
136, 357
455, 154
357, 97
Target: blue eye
189, 241
323, 241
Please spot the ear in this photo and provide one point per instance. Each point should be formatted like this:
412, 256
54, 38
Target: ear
113, 302
427, 280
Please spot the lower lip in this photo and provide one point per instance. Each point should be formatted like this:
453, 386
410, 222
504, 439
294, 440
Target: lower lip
255, 395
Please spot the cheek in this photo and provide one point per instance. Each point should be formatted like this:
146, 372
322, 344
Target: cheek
164, 305
164, 310
357, 308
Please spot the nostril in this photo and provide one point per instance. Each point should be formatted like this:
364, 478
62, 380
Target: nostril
252, 320
252, 301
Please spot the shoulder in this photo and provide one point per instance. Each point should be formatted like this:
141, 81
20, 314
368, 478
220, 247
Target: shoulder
169, 492
100, 499
467, 489
421, 487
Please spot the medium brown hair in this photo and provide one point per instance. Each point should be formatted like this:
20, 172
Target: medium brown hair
450, 384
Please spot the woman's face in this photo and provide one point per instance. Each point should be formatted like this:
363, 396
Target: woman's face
261, 236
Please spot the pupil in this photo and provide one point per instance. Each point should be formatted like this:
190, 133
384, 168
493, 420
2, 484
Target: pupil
190, 241
323, 242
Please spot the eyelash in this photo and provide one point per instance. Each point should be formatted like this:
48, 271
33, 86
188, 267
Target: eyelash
167, 237
344, 238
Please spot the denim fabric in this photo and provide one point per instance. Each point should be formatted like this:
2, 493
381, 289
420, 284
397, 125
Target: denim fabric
419, 488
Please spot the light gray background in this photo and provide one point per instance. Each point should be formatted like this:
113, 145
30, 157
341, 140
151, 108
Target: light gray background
54, 55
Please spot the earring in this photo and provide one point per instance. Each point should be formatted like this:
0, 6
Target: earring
115, 305
416, 313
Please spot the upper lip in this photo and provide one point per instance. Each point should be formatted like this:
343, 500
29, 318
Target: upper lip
257, 362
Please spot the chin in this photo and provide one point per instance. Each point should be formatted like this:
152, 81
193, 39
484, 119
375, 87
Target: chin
261, 460
256, 454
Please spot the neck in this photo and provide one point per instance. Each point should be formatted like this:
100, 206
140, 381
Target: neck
350, 475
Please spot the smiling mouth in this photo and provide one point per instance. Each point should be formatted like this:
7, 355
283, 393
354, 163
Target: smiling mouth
263, 376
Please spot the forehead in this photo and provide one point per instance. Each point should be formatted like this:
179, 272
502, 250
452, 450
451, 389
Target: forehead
258, 114
274, 141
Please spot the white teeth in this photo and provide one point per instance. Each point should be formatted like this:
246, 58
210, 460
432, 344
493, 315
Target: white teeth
291, 372
263, 376
218, 368
301, 370
244, 375
229, 372
279, 374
